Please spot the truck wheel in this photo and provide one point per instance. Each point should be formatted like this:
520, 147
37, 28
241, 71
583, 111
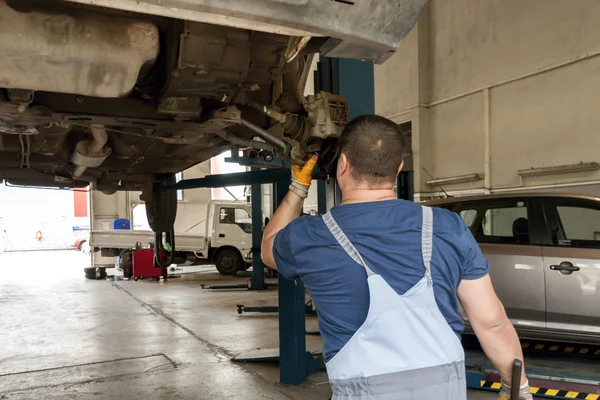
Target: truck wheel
229, 261
162, 210
126, 263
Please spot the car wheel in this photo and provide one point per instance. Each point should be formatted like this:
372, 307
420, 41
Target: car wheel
229, 261
162, 210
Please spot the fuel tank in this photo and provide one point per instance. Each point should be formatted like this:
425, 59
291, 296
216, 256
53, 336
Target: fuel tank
58, 47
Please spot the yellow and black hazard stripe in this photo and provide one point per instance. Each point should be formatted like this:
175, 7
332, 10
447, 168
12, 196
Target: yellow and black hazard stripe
570, 349
554, 393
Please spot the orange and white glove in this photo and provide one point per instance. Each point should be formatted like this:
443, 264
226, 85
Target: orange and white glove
302, 177
524, 392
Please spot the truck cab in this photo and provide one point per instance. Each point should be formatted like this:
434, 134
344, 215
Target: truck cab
230, 236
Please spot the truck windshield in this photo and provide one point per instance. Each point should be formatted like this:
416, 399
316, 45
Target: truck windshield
237, 216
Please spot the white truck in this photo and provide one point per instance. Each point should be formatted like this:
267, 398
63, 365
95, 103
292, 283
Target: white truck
227, 243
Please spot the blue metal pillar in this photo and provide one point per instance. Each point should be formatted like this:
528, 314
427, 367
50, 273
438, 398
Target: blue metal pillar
295, 363
258, 268
354, 80
292, 323
321, 197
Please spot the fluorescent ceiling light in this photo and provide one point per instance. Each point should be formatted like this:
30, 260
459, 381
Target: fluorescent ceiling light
454, 179
560, 169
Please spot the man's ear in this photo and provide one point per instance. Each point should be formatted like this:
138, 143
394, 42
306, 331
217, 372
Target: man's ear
400, 167
343, 164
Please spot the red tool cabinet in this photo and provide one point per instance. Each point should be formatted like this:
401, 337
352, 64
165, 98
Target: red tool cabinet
143, 265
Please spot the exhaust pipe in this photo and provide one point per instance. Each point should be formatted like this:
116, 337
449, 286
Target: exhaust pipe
91, 153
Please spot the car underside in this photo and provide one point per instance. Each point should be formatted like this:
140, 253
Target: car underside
117, 99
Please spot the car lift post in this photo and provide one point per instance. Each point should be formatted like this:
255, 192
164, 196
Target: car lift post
354, 80
295, 363
258, 268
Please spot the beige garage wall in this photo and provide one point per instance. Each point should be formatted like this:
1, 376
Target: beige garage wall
392, 79
538, 60
456, 119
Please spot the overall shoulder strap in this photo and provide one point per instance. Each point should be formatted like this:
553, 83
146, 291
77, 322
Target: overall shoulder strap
348, 247
427, 240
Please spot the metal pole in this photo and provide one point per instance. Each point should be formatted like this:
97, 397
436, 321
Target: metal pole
258, 268
321, 196
292, 319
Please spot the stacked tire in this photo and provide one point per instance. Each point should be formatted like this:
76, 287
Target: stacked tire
91, 273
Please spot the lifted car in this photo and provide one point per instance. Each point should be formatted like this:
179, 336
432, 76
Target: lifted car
122, 94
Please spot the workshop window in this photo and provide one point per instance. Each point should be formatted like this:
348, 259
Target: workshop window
237, 216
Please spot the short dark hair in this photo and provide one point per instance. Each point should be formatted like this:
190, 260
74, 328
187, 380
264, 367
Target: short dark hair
375, 147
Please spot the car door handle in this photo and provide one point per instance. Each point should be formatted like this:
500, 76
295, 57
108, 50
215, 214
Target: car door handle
565, 268
221, 235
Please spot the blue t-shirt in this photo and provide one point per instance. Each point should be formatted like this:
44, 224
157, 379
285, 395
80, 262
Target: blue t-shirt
388, 236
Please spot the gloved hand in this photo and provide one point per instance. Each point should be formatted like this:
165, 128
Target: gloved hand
302, 177
524, 391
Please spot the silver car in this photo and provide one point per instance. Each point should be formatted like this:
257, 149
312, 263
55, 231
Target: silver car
544, 251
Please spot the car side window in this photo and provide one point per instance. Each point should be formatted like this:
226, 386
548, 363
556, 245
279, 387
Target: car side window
243, 219
497, 221
469, 216
227, 215
572, 224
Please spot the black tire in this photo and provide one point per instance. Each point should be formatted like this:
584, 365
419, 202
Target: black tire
229, 261
162, 210
89, 270
126, 263
90, 273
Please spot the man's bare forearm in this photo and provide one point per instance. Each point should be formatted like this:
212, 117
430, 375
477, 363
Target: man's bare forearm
288, 210
494, 330
502, 346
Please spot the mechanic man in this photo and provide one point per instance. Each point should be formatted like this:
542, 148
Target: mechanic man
386, 276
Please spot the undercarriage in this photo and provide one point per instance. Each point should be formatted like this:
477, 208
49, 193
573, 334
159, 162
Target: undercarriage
111, 98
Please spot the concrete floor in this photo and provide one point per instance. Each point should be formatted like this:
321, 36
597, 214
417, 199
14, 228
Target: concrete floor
70, 338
